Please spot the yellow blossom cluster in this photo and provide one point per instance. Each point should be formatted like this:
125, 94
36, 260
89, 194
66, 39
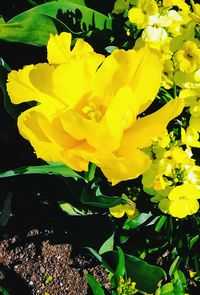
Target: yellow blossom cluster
169, 26
173, 179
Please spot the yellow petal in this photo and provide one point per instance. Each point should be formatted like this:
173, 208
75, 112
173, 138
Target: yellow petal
29, 128
58, 48
141, 133
147, 64
124, 167
27, 85
73, 80
117, 211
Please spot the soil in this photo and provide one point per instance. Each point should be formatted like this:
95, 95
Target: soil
33, 265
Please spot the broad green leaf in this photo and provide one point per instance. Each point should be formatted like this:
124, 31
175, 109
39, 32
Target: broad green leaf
100, 201
146, 276
94, 285
35, 25
33, 29
107, 245
53, 169
133, 223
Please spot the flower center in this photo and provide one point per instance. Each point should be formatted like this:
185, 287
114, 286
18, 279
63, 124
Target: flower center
92, 112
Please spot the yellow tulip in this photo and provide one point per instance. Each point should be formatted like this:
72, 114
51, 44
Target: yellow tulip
89, 108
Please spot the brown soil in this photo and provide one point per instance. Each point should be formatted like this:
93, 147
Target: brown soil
35, 266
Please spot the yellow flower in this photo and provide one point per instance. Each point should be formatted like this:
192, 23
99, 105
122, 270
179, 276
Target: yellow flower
128, 209
188, 58
188, 81
195, 14
140, 15
88, 106
182, 201
180, 3
190, 96
190, 137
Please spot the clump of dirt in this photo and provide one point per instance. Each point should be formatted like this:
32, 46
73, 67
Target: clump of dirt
33, 265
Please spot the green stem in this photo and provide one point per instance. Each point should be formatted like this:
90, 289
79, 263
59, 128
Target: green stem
91, 171
175, 90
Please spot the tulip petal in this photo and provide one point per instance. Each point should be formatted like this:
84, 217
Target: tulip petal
144, 129
124, 167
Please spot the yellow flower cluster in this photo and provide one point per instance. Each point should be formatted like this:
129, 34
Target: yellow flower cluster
126, 287
88, 106
172, 32
173, 178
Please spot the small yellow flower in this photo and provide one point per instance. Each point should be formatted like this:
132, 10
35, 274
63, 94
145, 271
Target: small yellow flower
188, 58
190, 137
140, 15
129, 209
188, 80
190, 96
180, 3
183, 200
195, 14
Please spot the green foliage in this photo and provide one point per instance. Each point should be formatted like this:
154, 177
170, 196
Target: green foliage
52, 17
52, 169
94, 285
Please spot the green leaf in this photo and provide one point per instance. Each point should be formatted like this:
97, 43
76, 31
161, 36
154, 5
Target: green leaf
100, 201
174, 266
35, 29
12, 109
133, 223
193, 241
121, 267
94, 285
2, 21
167, 289
146, 276
107, 245
35, 25
53, 169
4, 291
71, 210
180, 283
120, 6
160, 223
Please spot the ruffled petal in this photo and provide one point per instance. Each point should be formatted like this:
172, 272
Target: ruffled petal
33, 83
144, 129
59, 48
124, 166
